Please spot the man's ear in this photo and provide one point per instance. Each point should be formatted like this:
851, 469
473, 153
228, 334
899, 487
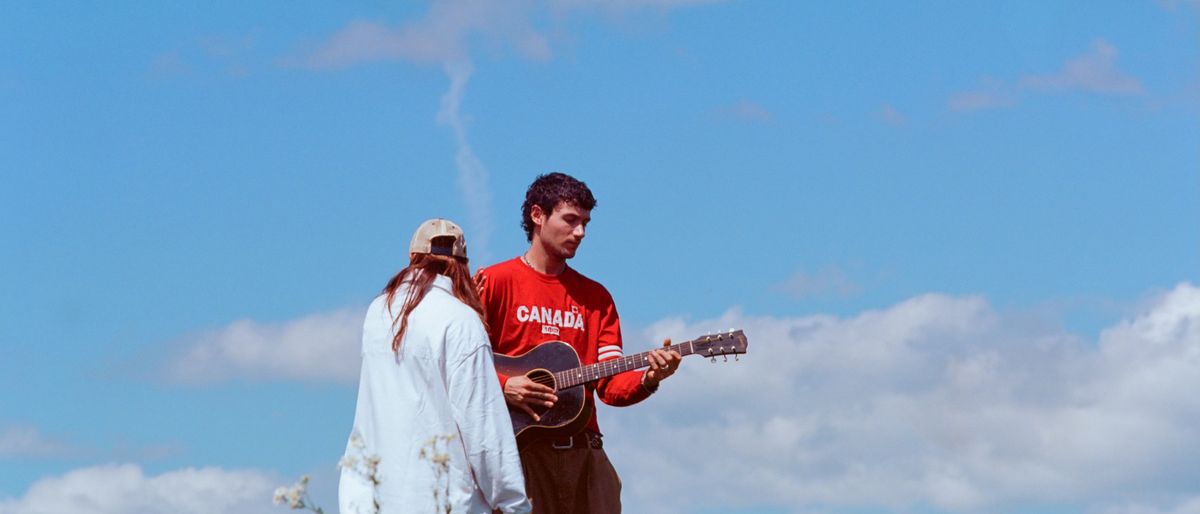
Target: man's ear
537, 215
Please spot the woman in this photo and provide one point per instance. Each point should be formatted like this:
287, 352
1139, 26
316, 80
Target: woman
431, 430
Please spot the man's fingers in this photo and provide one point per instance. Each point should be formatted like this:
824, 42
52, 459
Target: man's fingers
541, 399
529, 411
659, 359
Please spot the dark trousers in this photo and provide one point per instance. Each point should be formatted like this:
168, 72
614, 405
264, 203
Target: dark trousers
577, 480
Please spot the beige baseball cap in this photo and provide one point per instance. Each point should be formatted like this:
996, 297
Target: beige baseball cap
422, 240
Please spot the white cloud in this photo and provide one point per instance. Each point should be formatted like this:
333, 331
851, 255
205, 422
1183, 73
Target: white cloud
323, 346
1095, 71
125, 489
938, 400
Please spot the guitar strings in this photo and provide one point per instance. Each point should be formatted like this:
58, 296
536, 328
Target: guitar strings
550, 380
543, 380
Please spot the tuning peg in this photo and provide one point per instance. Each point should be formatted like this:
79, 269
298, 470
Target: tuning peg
712, 359
735, 357
726, 357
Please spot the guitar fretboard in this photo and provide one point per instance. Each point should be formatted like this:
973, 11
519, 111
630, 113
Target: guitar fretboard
582, 375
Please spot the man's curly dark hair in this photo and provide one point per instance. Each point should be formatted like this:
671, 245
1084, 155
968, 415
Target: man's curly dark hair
548, 190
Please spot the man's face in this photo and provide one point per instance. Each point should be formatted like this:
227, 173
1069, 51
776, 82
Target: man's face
562, 231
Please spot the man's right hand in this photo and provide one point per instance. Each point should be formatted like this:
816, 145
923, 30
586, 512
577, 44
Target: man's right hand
524, 394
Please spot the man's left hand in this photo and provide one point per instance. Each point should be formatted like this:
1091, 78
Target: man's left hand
663, 363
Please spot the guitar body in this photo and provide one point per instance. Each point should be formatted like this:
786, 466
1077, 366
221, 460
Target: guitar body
570, 413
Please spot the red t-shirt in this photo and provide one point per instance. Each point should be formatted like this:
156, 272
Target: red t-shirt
526, 308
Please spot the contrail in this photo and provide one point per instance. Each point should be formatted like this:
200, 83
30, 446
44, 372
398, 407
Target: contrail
472, 175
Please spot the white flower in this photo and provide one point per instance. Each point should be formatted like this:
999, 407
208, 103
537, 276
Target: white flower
294, 495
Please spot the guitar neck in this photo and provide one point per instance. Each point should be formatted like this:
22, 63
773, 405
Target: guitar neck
584, 374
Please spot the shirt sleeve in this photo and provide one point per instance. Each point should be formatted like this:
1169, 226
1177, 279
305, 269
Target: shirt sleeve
355, 491
483, 421
621, 389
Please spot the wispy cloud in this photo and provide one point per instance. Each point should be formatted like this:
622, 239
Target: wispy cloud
892, 116
971, 101
991, 94
746, 110
444, 36
320, 347
831, 281
938, 401
1094, 72
28, 441
444, 33
472, 174
1173, 5
125, 489
630, 4
230, 55
169, 64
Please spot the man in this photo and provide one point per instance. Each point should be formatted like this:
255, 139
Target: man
537, 298
430, 431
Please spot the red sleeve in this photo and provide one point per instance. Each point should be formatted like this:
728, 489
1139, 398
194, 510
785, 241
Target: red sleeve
621, 389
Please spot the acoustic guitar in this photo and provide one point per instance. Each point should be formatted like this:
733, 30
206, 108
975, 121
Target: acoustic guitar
556, 364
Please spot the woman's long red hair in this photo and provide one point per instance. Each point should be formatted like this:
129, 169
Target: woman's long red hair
422, 269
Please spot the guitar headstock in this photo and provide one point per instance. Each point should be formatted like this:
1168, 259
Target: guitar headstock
722, 343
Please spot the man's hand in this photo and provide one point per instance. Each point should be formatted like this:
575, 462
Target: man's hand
663, 364
524, 394
480, 281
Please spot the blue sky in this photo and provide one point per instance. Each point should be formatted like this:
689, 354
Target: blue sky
934, 219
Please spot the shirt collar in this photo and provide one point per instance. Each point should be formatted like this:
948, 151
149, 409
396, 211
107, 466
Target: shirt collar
441, 282
444, 282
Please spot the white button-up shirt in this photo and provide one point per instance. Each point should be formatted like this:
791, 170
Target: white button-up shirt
432, 413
